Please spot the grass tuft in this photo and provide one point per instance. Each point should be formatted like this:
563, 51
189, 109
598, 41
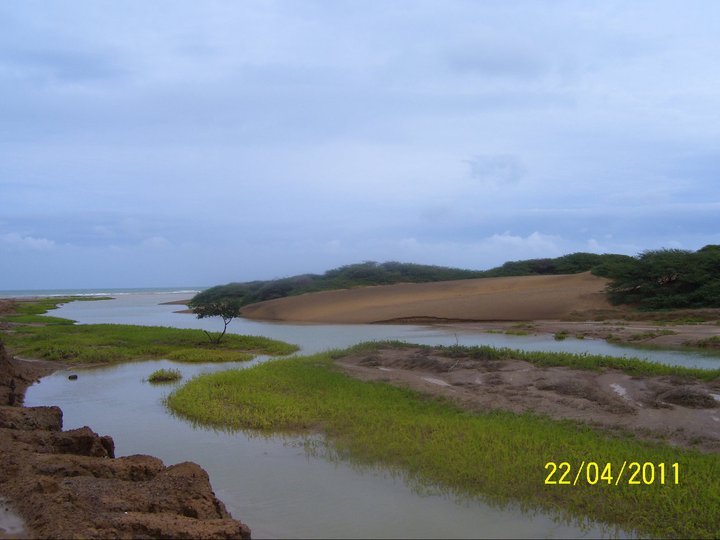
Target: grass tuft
165, 376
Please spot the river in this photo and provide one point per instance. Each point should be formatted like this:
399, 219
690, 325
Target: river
272, 483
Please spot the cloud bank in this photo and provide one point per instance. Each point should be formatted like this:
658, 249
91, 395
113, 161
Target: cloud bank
185, 143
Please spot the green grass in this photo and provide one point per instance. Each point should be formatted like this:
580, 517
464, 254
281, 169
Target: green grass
498, 456
165, 376
31, 311
38, 336
108, 343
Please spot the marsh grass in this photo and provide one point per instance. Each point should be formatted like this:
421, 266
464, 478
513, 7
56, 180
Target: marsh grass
31, 311
498, 456
164, 376
109, 343
51, 338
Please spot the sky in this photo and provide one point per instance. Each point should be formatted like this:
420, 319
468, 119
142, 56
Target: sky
177, 142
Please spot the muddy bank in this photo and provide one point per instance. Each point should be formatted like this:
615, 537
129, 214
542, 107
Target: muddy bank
68, 484
679, 411
672, 335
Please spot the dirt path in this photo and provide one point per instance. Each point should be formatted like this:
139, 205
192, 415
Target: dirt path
671, 409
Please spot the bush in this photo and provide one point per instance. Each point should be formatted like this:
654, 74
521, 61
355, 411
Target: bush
165, 375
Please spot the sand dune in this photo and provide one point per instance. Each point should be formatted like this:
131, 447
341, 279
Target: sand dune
488, 299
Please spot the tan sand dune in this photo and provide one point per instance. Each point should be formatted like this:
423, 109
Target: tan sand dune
488, 299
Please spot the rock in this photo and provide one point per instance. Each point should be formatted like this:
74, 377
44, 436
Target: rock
45, 418
68, 484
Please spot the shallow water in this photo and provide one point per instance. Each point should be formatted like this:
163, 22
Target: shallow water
272, 483
150, 310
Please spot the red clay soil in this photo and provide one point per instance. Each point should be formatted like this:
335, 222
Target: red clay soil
68, 484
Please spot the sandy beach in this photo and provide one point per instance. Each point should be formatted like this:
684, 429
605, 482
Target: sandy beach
487, 299
572, 305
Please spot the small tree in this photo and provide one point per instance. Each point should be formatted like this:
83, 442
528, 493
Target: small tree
227, 309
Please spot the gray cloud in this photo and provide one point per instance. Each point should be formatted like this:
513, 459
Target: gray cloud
503, 63
217, 141
64, 66
496, 170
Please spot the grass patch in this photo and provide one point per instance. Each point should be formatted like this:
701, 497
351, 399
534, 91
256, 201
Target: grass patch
516, 332
32, 311
52, 338
497, 456
108, 343
165, 376
641, 336
560, 336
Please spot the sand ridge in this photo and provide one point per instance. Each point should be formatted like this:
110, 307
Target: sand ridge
506, 298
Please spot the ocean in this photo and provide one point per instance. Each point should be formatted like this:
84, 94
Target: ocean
30, 293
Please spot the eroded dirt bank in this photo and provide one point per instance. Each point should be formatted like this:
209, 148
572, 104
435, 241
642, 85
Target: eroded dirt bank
673, 409
68, 484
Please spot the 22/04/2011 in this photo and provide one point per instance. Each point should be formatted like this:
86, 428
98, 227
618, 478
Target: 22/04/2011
633, 473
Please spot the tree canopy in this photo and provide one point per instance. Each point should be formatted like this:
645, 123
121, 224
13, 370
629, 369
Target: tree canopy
666, 279
226, 308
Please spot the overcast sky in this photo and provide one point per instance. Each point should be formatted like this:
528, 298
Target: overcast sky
172, 143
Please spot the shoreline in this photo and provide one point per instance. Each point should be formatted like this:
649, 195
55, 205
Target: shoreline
61, 484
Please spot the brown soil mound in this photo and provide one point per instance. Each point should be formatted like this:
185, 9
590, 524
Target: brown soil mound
68, 484
672, 409
508, 298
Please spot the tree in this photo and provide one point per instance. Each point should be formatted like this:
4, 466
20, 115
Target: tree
666, 279
228, 309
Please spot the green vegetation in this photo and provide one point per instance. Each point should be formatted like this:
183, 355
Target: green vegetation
51, 338
227, 309
105, 343
573, 263
165, 376
497, 456
640, 336
560, 336
31, 311
666, 279
387, 273
345, 277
